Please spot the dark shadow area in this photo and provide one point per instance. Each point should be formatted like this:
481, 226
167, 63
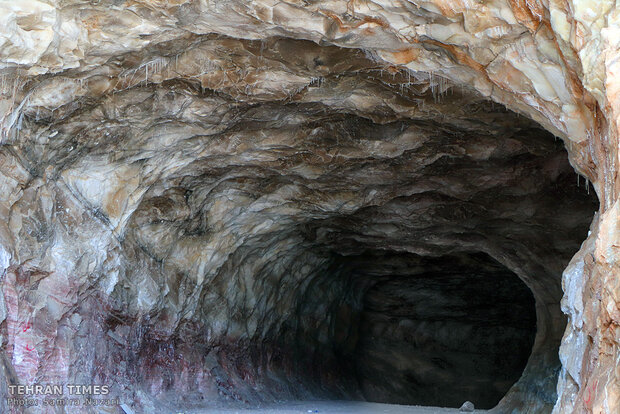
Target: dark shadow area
440, 331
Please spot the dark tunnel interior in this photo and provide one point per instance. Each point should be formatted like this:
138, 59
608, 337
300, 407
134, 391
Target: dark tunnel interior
438, 331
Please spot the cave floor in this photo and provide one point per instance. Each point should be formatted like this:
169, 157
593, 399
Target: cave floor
331, 407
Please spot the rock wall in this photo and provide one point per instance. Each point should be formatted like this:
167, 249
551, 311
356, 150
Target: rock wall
179, 179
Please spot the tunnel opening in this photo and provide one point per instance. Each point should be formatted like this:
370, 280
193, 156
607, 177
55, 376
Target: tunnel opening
438, 331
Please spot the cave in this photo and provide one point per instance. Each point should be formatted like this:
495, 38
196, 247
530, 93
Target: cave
211, 206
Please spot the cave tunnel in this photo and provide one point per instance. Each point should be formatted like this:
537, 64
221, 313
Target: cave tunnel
371, 235
433, 331
441, 331
427, 275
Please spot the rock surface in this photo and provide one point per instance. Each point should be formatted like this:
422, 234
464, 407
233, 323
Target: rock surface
467, 407
189, 188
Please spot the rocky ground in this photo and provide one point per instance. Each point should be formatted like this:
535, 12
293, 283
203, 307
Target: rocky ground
333, 407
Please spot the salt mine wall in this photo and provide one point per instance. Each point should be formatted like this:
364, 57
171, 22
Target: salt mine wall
206, 203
